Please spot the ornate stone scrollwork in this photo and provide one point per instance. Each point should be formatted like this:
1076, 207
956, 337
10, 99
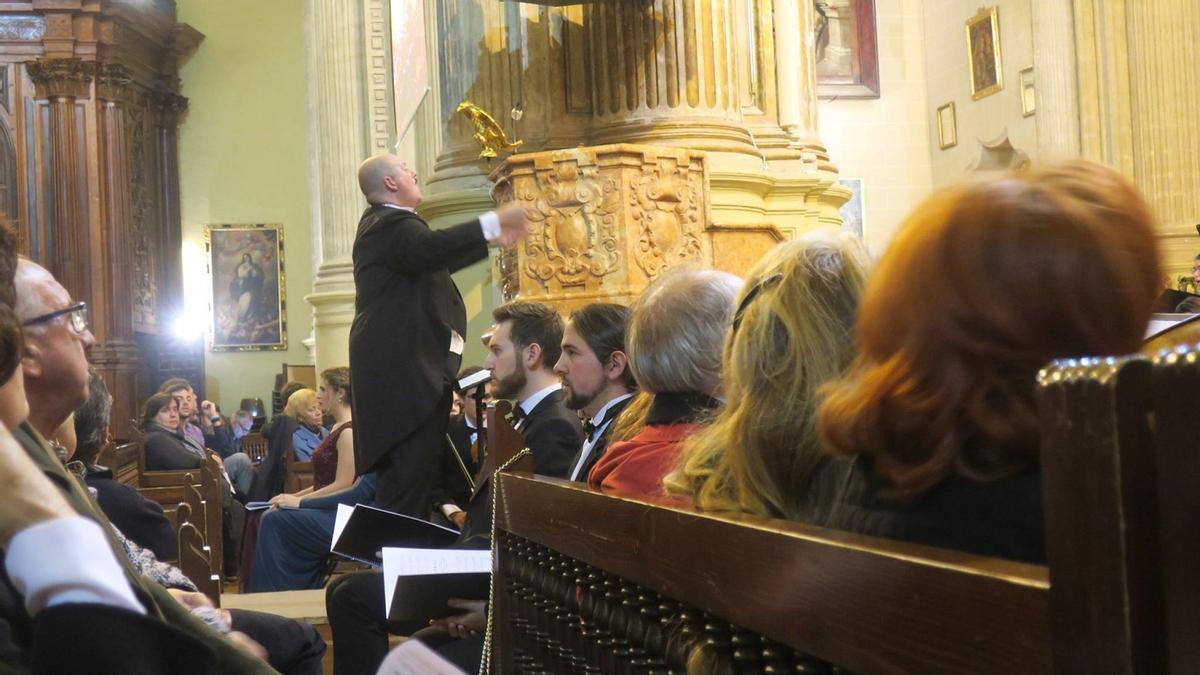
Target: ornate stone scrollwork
576, 211
666, 207
56, 78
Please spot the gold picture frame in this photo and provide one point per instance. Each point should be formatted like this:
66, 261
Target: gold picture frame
947, 126
1028, 92
984, 60
248, 302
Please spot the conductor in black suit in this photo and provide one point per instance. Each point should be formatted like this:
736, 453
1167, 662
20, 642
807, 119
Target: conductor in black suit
406, 341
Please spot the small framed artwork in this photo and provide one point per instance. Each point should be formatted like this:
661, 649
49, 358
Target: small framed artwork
1028, 93
983, 53
245, 266
947, 126
852, 211
847, 51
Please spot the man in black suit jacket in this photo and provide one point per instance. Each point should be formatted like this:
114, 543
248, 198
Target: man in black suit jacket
595, 376
522, 351
406, 341
463, 456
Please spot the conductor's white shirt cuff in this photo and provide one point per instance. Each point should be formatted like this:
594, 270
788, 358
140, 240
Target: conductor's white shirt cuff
67, 560
490, 223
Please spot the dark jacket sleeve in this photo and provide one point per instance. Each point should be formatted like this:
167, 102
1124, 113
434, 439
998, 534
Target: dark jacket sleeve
555, 444
94, 638
220, 441
408, 246
136, 517
164, 453
452, 485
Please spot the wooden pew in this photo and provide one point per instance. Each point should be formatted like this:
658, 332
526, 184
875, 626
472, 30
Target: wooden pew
592, 582
255, 446
297, 475
167, 488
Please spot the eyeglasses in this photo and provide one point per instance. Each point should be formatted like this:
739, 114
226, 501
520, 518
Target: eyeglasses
762, 285
77, 317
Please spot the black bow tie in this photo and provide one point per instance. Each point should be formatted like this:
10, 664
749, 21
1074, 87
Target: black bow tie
590, 428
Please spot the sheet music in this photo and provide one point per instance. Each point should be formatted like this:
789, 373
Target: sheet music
409, 562
339, 522
402, 515
413, 657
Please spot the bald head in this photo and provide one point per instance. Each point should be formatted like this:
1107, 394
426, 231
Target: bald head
386, 179
37, 290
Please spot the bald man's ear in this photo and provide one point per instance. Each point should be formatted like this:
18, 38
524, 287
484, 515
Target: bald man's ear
389, 184
31, 361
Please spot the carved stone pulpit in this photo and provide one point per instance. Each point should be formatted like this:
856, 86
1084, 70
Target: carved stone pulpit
610, 219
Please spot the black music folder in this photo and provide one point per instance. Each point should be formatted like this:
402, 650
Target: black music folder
361, 532
419, 582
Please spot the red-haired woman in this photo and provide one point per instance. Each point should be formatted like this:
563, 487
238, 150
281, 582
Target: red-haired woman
984, 284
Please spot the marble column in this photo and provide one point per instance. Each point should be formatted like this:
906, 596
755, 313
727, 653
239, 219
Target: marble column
795, 62
61, 82
338, 126
1056, 78
115, 355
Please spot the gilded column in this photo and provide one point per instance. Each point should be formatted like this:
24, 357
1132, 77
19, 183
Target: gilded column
338, 120
1056, 76
663, 72
61, 82
115, 354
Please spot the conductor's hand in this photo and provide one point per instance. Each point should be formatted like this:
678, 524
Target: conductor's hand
514, 224
29, 497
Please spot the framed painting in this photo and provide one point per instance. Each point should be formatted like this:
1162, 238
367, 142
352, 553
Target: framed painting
983, 53
1028, 93
947, 126
852, 211
847, 52
245, 266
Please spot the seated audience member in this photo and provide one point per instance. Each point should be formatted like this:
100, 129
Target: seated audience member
462, 457
676, 330
793, 332
55, 366
333, 460
183, 392
218, 435
293, 544
304, 406
138, 518
983, 285
596, 378
239, 426
291, 646
166, 446
523, 349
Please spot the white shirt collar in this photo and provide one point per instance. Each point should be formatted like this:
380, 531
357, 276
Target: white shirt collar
599, 416
535, 398
398, 207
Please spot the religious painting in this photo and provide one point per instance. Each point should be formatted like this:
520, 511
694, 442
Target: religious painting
947, 126
983, 53
411, 81
1028, 95
245, 263
852, 210
846, 50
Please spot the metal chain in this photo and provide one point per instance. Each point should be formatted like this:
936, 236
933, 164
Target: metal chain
485, 666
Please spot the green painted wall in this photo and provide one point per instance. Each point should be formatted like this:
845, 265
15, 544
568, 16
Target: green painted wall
244, 158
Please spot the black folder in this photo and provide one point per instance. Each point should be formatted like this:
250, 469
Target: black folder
423, 597
370, 529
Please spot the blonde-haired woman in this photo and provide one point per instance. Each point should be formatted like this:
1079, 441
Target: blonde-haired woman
306, 409
792, 332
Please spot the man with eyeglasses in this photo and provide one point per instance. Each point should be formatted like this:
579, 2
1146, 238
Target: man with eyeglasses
56, 343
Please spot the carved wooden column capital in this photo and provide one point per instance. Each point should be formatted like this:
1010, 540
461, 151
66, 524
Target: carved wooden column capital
61, 78
112, 82
170, 108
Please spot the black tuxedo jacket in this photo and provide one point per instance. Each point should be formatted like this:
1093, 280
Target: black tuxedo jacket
554, 434
597, 450
405, 306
